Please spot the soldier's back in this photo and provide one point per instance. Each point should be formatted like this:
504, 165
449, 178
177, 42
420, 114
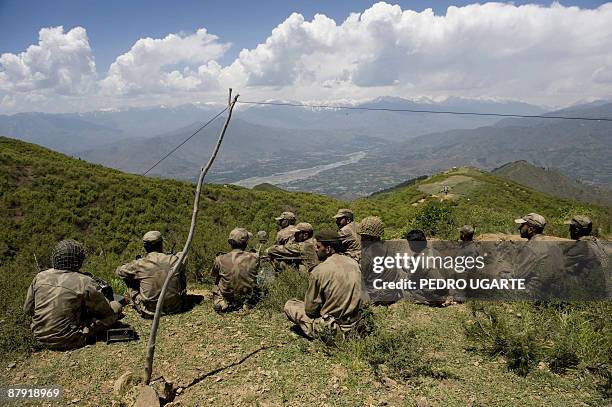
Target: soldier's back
309, 254
285, 235
151, 272
339, 279
351, 241
58, 297
237, 273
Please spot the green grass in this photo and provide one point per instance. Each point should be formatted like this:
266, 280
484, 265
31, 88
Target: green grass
558, 336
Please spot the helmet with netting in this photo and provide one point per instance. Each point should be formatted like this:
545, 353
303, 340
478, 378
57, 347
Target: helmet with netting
68, 255
371, 226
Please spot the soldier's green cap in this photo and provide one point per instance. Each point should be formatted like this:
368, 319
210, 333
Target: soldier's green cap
533, 219
580, 220
342, 213
304, 227
286, 215
240, 235
467, 229
327, 236
152, 236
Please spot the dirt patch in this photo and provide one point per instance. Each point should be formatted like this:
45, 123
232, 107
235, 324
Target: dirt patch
457, 185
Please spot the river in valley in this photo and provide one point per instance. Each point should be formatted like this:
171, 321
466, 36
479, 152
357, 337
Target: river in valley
303, 173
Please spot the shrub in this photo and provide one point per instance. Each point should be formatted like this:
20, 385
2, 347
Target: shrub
287, 284
398, 354
563, 335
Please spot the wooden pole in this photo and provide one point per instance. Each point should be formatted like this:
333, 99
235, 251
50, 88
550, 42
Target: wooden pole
160, 302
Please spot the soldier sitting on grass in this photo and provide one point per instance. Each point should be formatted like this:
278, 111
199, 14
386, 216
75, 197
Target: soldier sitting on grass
334, 299
67, 306
146, 276
235, 274
301, 253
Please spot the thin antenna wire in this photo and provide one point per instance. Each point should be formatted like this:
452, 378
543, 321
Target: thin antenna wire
184, 141
383, 109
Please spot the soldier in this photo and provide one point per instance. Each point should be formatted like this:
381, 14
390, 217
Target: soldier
334, 298
418, 246
531, 226
67, 306
586, 260
371, 231
235, 274
351, 242
466, 249
301, 253
466, 233
146, 276
580, 228
538, 262
286, 233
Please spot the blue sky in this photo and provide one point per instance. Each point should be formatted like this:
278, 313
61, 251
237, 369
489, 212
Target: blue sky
113, 26
84, 55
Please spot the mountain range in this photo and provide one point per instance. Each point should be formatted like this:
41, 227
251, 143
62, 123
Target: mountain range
553, 182
344, 153
579, 149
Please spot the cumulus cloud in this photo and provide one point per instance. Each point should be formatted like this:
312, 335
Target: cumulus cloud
491, 49
174, 63
541, 54
61, 63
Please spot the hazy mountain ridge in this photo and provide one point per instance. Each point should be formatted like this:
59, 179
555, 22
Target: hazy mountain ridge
248, 150
58, 132
580, 149
553, 182
394, 126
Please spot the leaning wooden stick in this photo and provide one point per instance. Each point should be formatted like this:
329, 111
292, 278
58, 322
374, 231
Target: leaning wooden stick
182, 257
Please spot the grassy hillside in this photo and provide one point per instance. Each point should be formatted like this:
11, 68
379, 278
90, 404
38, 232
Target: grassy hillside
487, 202
416, 353
553, 182
49, 197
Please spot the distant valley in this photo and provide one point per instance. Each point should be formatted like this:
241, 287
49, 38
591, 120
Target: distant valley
314, 149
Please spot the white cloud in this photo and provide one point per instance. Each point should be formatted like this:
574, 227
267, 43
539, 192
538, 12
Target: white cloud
551, 55
61, 63
603, 74
174, 63
527, 52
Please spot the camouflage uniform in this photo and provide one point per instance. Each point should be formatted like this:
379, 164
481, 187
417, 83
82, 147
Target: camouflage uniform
333, 301
538, 262
301, 254
371, 231
351, 242
587, 261
145, 278
286, 234
67, 306
235, 275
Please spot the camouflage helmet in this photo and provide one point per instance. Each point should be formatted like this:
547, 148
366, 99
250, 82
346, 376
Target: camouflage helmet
371, 226
304, 227
68, 255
